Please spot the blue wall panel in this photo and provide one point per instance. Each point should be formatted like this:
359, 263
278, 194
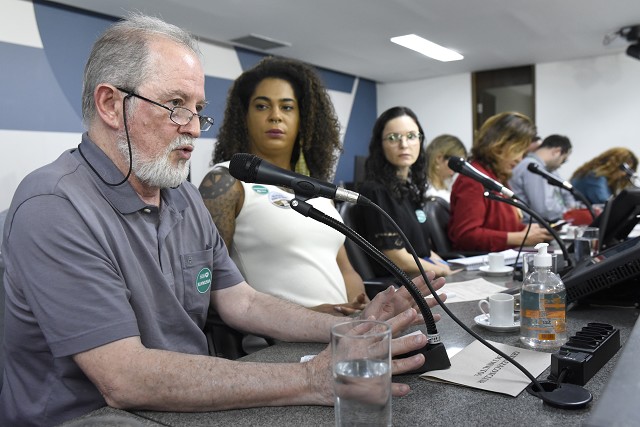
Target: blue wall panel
31, 98
67, 39
216, 91
358, 132
42, 88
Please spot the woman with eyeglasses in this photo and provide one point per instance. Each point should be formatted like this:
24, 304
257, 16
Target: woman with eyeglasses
478, 223
439, 175
280, 111
395, 180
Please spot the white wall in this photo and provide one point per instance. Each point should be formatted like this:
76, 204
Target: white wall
443, 104
594, 101
27, 150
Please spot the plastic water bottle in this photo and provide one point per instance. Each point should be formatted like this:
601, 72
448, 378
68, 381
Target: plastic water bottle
543, 304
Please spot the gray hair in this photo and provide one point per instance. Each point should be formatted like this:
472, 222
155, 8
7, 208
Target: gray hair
122, 58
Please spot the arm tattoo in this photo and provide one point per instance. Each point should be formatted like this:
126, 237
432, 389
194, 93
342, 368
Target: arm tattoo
223, 197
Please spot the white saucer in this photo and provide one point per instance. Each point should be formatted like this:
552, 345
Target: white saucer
502, 272
483, 320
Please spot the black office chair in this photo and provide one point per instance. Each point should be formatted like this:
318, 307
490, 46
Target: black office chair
438, 213
360, 261
223, 340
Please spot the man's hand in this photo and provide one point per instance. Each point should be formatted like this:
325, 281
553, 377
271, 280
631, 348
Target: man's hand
392, 302
347, 309
319, 369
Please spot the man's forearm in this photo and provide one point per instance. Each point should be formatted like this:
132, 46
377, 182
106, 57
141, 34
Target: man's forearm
142, 378
267, 315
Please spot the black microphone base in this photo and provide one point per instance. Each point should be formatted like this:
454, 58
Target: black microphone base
435, 357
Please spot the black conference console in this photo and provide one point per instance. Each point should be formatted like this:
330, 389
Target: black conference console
611, 277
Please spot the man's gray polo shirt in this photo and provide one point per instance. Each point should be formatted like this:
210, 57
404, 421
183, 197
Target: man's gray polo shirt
88, 264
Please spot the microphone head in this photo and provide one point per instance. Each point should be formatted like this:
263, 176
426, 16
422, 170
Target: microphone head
627, 169
244, 166
533, 167
456, 163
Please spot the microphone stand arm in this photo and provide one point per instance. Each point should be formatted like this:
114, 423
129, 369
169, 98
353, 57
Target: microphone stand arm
435, 354
537, 216
566, 396
578, 195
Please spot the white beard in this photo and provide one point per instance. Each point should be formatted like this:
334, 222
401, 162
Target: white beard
158, 172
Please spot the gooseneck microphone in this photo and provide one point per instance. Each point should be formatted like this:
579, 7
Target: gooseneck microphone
460, 165
633, 176
627, 170
249, 168
551, 179
565, 185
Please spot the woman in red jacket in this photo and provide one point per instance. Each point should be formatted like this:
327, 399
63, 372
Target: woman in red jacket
478, 223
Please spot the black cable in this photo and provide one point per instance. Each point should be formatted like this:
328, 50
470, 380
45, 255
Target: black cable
319, 216
523, 240
578, 195
126, 131
306, 209
541, 221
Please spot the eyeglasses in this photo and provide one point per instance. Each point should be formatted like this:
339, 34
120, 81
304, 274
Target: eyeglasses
411, 137
178, 115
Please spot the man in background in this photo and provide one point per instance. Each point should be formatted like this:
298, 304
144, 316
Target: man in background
547, 200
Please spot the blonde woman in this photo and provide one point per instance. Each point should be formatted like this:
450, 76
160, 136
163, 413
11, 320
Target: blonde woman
439, 176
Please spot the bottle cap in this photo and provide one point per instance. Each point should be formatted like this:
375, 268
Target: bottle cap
542, 258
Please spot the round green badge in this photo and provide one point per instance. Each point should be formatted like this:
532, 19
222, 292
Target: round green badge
422, 217
260, 189
203, 280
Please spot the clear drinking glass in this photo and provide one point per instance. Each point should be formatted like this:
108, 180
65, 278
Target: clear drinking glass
361, 361
593, 235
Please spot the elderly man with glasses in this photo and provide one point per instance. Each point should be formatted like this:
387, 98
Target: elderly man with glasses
112, 261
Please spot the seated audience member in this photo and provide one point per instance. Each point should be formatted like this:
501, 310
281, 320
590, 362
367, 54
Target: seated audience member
395, 180
280, 111
112, 261
439, 176
548, 200
601, 177
478, 223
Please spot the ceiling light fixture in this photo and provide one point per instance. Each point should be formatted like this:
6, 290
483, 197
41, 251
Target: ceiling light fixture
427, 48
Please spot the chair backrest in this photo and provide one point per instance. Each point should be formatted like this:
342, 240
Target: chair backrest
358, 258
438, 213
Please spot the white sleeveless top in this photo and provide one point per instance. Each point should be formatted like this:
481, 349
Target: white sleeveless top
285, 254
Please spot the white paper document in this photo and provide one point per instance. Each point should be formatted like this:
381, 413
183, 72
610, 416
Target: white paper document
479, 367
470, 290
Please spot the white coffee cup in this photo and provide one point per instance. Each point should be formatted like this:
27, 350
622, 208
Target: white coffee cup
496, 261
499, 308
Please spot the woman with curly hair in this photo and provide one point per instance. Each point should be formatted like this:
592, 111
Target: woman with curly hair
395, 180
439, 176
481, 224
280, 111
601, 177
